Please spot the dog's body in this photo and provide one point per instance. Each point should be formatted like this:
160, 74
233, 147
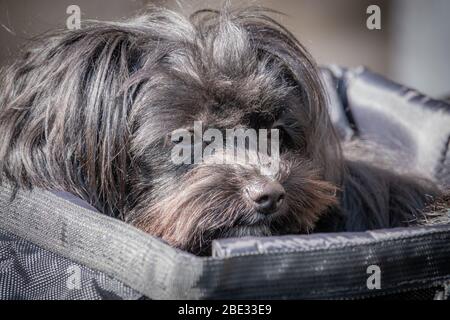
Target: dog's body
90, 112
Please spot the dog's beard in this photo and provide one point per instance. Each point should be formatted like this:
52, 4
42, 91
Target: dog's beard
209, 203
259, 230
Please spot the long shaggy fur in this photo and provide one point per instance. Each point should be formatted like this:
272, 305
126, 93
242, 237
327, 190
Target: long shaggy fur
90, 112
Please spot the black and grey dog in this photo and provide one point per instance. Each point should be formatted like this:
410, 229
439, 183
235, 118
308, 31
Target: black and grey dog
91, 111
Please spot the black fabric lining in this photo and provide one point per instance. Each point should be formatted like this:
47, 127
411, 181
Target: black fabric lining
412, 260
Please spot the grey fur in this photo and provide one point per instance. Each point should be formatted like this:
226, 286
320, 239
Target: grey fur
90, 112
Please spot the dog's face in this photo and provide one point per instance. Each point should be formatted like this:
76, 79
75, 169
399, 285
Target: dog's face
98, 108
234, 73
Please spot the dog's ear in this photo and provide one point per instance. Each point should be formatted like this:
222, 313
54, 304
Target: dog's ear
273, 41
64, 114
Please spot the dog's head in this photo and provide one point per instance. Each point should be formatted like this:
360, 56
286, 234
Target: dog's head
95, 111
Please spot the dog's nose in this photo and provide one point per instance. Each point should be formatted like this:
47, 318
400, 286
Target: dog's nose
268, 197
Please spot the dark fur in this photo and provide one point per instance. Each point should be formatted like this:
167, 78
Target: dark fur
90, 111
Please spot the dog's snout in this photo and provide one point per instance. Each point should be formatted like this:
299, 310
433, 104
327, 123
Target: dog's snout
267, 198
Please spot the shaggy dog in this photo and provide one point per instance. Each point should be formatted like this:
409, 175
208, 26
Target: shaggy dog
91, 112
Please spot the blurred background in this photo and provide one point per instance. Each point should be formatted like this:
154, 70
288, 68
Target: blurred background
412, 47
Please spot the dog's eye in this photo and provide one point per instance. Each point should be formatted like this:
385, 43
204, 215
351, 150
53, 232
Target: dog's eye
180, 136
285, 140
281, 133
183, 141
280, 127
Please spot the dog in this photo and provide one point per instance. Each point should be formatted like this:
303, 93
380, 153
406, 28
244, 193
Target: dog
92, 111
